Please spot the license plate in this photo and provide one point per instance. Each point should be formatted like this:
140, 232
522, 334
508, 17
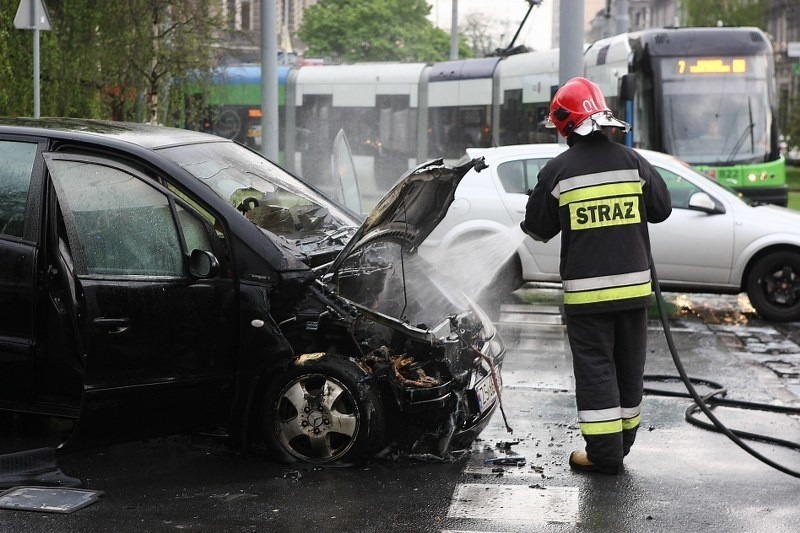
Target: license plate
485, 392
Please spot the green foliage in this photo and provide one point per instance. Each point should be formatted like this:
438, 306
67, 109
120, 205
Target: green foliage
121, 60
16, 64
728, 12
375, 30
791, 115
793, 181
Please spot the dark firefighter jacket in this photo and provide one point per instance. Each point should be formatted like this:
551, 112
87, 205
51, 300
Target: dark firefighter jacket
599, 195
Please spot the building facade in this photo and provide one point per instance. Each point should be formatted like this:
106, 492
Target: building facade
241, 40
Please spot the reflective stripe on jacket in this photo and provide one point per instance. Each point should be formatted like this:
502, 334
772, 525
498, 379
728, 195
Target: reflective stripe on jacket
600, 195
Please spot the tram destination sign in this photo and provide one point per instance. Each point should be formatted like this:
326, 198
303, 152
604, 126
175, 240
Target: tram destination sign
709, 65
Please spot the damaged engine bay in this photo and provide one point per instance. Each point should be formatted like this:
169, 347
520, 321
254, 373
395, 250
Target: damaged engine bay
388, 358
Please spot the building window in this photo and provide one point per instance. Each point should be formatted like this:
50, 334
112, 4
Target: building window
246, 16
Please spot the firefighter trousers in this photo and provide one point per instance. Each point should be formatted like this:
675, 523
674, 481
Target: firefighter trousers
608, 358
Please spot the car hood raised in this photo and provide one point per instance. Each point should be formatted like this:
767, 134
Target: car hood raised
412, 208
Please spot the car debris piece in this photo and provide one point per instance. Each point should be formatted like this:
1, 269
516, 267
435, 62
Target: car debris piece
513, 460
48, 499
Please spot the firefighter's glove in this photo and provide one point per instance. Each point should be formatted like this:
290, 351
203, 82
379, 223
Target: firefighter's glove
530, 234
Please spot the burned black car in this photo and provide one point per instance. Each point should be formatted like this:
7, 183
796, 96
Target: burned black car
159, 281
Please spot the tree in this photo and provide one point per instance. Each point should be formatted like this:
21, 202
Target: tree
791, 130
477, 29
121, 60
726, 13
375, 30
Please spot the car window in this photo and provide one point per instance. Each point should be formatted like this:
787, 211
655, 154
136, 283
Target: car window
521, 175
512, 176
15, 179
194, 231
117, 224
679, 188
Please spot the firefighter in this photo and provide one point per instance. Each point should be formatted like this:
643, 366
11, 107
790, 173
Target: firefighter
600, 195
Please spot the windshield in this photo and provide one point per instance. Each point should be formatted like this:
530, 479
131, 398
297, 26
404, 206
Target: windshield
266, 194
713, 117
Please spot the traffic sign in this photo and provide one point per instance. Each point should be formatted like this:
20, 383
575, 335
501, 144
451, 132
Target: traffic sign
793, 49
32, 15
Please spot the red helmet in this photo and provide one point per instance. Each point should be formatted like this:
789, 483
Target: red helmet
576, 101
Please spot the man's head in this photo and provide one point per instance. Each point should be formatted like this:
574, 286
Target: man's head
579, 107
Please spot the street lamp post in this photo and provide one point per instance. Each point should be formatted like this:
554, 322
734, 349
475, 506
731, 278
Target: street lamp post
32, 15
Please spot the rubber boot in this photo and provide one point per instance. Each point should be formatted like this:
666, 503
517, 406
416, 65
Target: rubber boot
579, 461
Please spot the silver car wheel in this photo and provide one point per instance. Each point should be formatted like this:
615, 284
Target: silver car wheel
316, 418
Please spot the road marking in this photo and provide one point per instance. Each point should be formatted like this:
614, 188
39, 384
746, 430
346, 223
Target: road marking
532, 504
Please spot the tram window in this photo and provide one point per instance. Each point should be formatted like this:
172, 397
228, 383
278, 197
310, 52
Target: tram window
454, 129
394, 123
315, 134
359, 124
512, 120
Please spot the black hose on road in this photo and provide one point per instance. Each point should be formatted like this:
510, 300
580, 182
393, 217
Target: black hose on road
702, 402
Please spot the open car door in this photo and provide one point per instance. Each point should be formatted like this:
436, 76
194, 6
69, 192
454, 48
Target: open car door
155, 342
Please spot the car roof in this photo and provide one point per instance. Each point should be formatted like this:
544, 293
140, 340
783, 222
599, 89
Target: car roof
550, 150
514, 150
96, 131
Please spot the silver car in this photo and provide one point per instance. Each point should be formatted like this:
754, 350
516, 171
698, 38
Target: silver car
714, 241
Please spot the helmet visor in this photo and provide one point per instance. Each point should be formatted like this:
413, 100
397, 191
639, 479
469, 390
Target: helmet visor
604, 118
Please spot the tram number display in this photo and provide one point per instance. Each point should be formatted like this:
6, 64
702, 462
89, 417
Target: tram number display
710, 65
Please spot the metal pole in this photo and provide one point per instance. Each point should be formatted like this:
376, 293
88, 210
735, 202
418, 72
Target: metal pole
570, 40
36, 111
35, 20
623, 19
454, 32
286, 30
269, 80
570, 59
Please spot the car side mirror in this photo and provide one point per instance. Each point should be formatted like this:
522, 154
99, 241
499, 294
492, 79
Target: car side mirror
702, 201
203, 264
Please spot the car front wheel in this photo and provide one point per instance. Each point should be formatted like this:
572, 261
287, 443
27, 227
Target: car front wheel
773, 286
322, 412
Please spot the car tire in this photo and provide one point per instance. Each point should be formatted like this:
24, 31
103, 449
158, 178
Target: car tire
322, 412
773, 286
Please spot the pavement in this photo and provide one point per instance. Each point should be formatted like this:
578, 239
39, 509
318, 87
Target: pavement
677, 478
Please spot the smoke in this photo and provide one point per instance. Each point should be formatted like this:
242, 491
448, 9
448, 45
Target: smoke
425, 290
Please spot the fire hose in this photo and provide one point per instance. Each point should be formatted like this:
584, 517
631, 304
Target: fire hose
706, 402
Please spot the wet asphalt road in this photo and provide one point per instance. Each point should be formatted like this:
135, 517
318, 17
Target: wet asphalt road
678, 477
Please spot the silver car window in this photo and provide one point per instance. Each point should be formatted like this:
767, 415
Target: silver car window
679, 188
520, 175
